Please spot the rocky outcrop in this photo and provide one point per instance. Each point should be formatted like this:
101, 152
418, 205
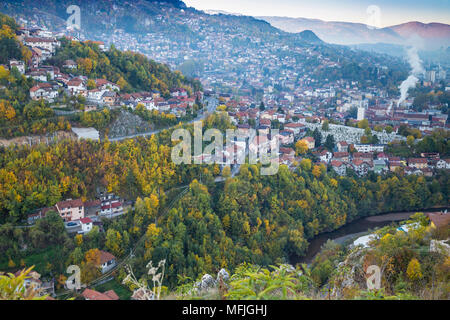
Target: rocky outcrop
208, 282
127, 124
33, 140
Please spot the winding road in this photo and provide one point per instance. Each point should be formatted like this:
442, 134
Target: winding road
211, 105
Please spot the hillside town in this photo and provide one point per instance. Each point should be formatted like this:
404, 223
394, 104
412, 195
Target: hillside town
89, 182
296, 111
53, 83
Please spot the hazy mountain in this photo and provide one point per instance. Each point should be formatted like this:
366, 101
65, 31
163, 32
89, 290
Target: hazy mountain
100, 19
435, 31
434, 35
309, 36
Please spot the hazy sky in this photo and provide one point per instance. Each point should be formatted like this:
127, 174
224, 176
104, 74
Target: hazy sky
391, 11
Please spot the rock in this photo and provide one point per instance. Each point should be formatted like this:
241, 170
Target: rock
128, 124
223, 274
207, 282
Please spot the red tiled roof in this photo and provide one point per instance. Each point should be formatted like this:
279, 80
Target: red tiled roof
70, 203
105, 257
30, 39
112, 205
95, 295
336, 163
112, 294
294, 125
75, 83
417, 160
85, 220
93, 203
340, 154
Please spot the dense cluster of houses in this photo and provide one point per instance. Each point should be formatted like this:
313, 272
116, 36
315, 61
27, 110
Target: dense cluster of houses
52, 81
379, 162
349, 153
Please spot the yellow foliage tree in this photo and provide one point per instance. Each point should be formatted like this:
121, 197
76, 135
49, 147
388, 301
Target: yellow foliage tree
414, 270
301, 147
7, 112
317, 172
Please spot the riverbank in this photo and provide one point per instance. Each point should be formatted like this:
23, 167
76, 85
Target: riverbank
355, 229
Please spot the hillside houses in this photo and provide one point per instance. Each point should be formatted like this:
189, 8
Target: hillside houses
20, 65
105, 93
83, 215
48, 44
45, 91
76, 86
380, 163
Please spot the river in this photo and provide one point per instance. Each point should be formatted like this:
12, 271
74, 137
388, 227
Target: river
352, 230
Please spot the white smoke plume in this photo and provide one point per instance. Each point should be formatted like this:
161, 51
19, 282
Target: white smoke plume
417, 69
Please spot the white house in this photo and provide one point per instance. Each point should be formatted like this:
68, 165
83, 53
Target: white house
20, 65
76, 86
107, 261
44, 91
45, 43
366, 148
339, 167
86, 225
149, 104
111, 208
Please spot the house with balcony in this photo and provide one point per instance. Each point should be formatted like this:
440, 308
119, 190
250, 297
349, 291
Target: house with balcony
339, 167
70, 210
418, 163
111, 208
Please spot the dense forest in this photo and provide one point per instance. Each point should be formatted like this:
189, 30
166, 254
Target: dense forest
266, 219
410, 271
263, 219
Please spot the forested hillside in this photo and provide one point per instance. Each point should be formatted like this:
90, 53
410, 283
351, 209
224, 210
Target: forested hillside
131, 71
268, 219
19, 115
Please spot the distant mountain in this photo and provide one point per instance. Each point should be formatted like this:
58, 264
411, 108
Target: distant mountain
102, 19
434, 35
436, 31
310, 36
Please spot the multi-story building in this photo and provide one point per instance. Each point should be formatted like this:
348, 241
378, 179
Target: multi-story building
70, 210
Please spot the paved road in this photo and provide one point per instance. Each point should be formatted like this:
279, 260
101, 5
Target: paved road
211, 103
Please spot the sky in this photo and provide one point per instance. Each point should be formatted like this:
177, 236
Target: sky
385, 13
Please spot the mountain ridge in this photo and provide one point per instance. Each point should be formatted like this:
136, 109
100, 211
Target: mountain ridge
434, 34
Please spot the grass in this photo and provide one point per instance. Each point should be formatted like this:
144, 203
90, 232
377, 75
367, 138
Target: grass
38, 259
123, 292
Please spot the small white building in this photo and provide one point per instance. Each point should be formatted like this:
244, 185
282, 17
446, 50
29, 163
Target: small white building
86, 225
20, 65
365, 240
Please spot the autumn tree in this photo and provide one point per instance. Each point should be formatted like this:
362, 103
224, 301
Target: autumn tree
301, 147
414, 270
90, 266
